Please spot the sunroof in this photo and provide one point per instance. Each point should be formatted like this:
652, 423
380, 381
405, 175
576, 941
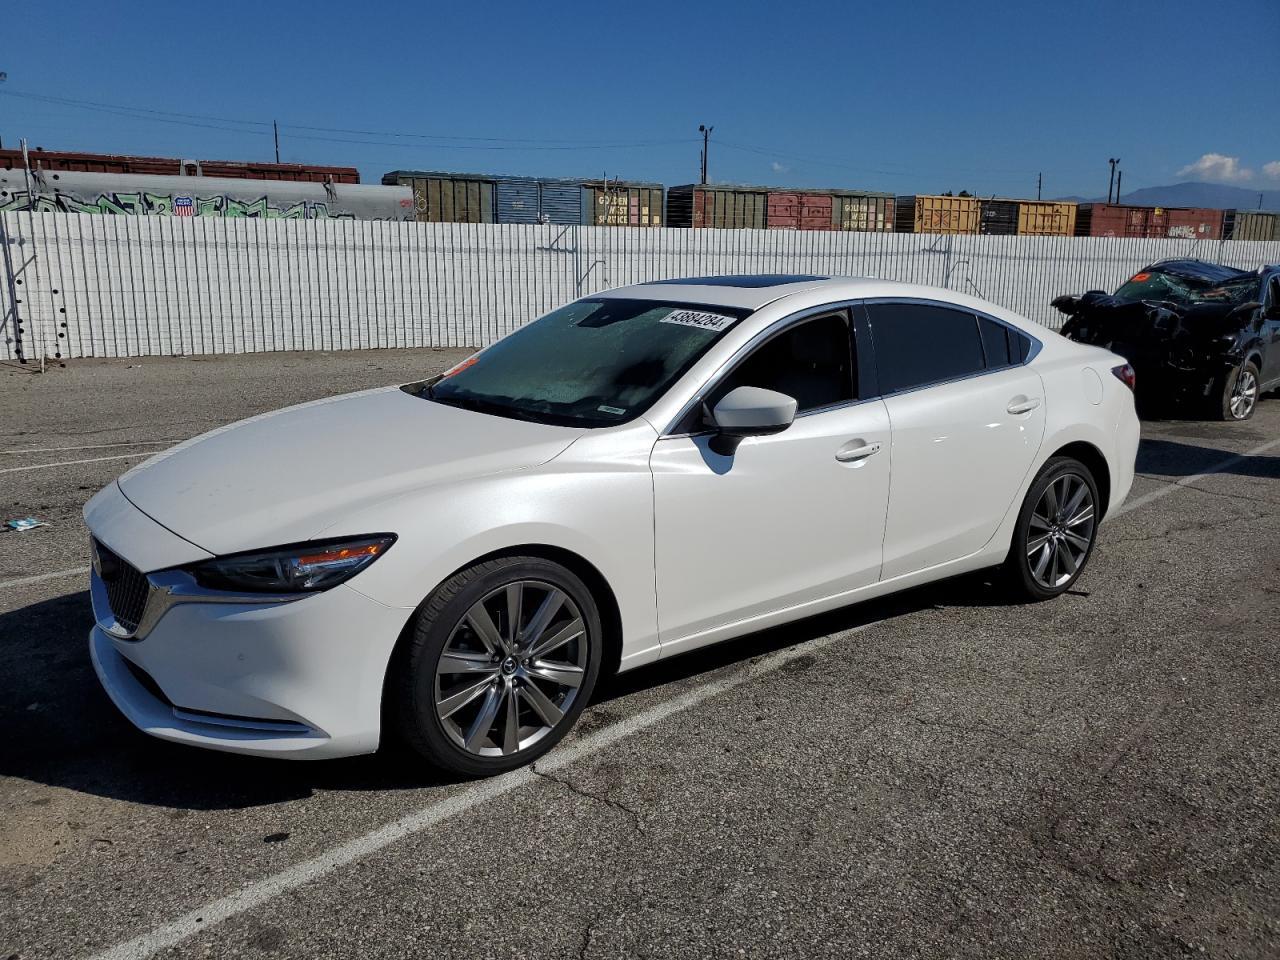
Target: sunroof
742, 280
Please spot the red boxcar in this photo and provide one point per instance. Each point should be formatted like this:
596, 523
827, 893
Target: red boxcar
172, 167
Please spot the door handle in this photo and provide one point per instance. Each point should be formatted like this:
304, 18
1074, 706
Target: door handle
856, 450
1023, 404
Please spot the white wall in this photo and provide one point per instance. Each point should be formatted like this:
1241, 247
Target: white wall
135, 286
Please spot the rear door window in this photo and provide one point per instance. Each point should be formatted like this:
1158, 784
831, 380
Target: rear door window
995, 343
918, 344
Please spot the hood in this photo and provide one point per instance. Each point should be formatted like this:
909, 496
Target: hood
283, 477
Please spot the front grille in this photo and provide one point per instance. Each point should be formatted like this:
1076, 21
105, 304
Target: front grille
127, 587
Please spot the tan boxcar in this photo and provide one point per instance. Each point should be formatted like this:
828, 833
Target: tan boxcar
937, 214
1037, 218
1253, 225
447, 198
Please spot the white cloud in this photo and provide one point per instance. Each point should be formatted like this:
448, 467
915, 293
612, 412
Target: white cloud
1217, 166
1272, 169
777, 167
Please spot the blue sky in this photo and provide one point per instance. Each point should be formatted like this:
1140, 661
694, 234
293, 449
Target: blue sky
905, 97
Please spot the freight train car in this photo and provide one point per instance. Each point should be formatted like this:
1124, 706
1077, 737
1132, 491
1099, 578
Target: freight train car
447, 197
1125, 220
72, 191
861, 212
937, 214
442, 197
1026, 218
60, 161
618, 203
701, 205
1251, 225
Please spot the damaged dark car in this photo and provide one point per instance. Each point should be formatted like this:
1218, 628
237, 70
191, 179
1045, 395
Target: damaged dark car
1196, 333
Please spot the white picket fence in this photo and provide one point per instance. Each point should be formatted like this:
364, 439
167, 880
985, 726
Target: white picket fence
97, 286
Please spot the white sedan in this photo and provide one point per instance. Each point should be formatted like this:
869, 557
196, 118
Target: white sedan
635, 475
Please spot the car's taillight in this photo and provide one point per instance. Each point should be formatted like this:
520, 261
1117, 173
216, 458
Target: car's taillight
1126, 375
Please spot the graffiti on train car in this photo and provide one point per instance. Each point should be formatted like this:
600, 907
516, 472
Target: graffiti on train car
159, 204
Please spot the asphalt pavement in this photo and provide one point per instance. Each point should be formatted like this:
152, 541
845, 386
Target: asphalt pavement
937, 774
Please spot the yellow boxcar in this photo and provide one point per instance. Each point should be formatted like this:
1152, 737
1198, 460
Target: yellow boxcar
937, 214
1038, 218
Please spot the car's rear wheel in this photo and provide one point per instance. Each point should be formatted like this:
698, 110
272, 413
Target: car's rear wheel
1055, 531
500, 663
1238, 395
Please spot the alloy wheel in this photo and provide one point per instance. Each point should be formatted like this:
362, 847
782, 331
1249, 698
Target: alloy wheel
511, 669
1061, 531
1244, 394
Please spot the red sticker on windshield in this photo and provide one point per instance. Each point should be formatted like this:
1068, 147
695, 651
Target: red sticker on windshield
1139, 277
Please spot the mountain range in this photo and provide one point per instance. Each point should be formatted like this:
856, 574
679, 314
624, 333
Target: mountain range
1194, 194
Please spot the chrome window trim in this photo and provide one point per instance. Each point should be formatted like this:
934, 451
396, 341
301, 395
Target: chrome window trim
1032, 353
782, 324
779, 326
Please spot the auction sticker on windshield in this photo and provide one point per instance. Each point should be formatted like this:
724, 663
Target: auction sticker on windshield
715, 322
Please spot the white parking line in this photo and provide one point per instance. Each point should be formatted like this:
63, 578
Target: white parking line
42, 577
255, 893
88, 446
1169, 488
69, 463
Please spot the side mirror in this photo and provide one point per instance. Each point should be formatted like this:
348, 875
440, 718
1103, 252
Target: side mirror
749, 412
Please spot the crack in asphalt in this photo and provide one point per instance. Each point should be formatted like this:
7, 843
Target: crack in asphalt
991, 734
634, 815
1188, 527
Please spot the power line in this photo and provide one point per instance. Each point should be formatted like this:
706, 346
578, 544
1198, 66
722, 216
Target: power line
844, 165
190, 119
620, 145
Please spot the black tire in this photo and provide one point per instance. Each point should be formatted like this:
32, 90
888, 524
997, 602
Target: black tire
412, 685
1226, 393
1019, 567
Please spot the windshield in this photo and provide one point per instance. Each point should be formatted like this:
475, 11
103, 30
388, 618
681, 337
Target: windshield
1156, 285
593, 363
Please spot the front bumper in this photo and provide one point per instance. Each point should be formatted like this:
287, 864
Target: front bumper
296, 678
301, 679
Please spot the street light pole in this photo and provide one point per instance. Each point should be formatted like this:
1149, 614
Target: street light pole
1112, 182
706, 140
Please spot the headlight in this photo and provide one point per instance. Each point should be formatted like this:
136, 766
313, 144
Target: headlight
301, 568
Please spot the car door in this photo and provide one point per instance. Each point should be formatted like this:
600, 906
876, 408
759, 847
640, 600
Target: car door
1270, 371
786, 519
967, 417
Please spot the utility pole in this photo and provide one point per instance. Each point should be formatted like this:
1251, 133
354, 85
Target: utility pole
275, 128
1112, 182
1259, 201
1039, 184
706, 141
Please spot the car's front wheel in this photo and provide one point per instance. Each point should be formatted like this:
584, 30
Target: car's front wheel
1055, 531
500, 662
1238, 394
